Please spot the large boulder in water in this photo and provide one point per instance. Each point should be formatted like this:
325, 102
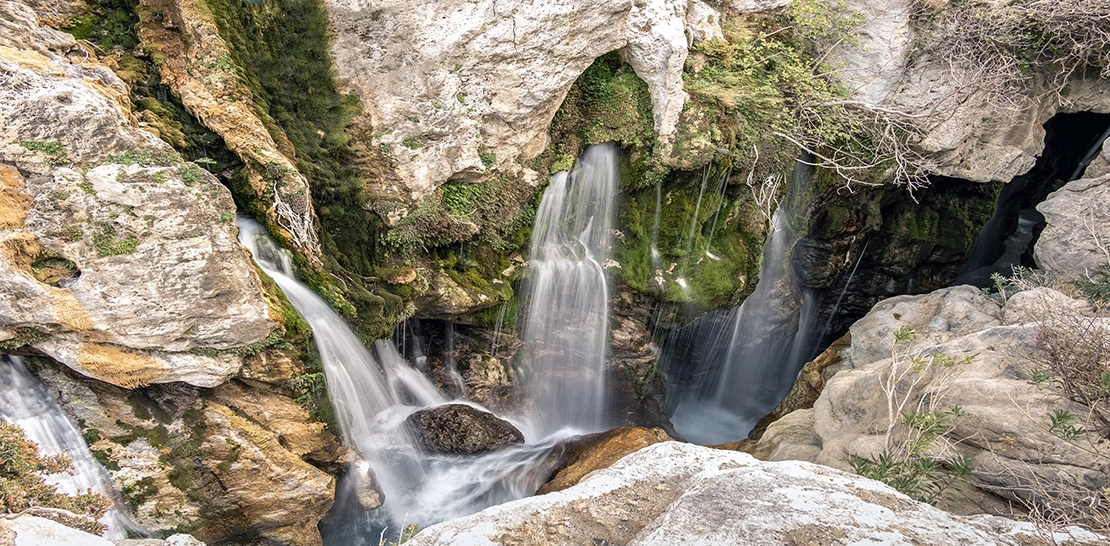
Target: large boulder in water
459, 429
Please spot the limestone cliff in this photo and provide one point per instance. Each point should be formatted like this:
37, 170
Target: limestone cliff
455, 89
119, 259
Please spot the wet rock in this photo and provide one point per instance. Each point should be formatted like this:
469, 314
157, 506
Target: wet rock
459, 429
596, 451
675, 493
226, 464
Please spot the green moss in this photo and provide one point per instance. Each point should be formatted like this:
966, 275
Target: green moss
108, 242
715, 254
54, 151
607, 103
21, 337
137, 493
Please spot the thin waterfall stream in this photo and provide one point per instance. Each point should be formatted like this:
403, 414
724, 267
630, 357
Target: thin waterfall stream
25, 401
728, 368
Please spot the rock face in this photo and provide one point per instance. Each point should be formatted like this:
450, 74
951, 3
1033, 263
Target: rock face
970, 131
674, 493
196, 68
459, 429
117, 258
1001, 423
36, 531
455, 88
1073, 243
228, 464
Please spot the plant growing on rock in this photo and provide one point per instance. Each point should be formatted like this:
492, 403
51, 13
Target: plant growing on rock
24, 489
918, 459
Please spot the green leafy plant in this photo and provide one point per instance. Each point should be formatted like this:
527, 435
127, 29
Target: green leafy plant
1062, 423
23, 487
54, 151
918, 459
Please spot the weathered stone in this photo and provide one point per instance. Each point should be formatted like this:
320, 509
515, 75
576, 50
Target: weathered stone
991, 348
37, 531
596, 451
969, 133
115, 257
459, 429
443, 83
1074, 241
225, 464
674, 493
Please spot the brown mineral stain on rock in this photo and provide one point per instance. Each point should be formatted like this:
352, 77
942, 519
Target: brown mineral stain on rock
21, 250
599, 451
68, 311
119, 366
31, 60
14, 202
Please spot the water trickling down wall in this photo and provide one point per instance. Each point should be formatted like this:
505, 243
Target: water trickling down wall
728, 368
26, 402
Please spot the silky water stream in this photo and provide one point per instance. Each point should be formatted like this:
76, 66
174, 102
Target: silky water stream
564, 337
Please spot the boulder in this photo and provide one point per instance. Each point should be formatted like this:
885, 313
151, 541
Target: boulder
596, 451
970, 352
459, 429
116, 257
1073, 244
675, 493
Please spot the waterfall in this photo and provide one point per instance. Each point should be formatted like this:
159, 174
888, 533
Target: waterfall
26, 402
373, 392
565, 333
727, 369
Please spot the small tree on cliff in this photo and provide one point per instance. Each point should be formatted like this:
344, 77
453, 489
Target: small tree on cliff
23, 487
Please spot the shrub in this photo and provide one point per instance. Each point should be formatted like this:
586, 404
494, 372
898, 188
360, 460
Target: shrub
23, 487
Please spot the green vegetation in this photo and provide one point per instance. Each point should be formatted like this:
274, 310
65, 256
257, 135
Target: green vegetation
918, 460
22, 484
146, 158
280, 52
108, 242
54, 151
23, 336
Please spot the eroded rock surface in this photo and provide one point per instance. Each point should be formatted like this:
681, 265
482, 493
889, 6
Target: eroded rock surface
229, 465
444, 84
986, 352
116, 258
1073, 244
459, 429
971, 130
674, 493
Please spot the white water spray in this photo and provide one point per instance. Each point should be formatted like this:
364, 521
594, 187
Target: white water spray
736, 366
373, 396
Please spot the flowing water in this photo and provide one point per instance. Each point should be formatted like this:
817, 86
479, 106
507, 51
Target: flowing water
26, 402
375, 391
729, 368
565, 333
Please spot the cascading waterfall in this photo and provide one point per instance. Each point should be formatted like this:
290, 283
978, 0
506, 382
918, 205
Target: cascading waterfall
26, 402
565, 334
372, 397
728, 369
